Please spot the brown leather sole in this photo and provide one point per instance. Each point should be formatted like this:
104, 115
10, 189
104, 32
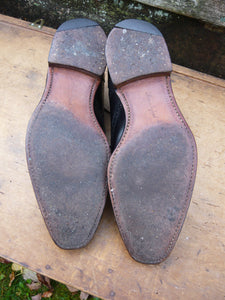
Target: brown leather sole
67, 151
151, 173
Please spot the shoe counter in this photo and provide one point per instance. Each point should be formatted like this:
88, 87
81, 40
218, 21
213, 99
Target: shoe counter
196, 267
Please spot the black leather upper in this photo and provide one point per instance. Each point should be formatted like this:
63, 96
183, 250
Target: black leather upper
118, 119
99, 107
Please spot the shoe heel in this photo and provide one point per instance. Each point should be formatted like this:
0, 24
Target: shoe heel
139, 49
151, 172
67, 151
72, 46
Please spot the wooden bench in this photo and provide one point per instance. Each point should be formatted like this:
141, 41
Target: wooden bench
196, 267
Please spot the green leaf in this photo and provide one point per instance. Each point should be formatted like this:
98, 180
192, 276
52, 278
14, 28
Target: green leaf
29, 281
21, 285
2, 276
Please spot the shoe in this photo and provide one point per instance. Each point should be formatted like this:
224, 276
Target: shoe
151, 172
67, 151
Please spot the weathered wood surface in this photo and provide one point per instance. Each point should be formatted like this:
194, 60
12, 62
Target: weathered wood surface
205, 10
196, 267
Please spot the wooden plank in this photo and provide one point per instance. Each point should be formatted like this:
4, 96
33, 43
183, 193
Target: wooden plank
196, 267
26, 25
205, 10
198, 75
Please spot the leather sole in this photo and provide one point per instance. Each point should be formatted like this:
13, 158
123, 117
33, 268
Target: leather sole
67, 151
151, 172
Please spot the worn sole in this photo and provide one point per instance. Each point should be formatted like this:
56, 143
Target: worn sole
151, 173
67, 151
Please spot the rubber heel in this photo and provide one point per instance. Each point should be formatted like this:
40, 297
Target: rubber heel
140, 51
80, 44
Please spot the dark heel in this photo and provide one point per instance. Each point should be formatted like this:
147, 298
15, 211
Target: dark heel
139, 49
88, 53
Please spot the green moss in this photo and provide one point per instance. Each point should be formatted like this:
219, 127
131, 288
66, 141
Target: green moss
20, 291
106, 12
61, 292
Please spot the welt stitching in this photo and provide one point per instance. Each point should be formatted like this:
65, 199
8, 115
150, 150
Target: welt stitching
43, 102
32, 170
180, 221
106, 148
114, 159
174, 109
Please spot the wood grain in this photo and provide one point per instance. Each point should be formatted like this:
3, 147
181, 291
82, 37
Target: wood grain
208, 11
196, 267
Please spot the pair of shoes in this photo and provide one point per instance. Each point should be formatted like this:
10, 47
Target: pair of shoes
151, 171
